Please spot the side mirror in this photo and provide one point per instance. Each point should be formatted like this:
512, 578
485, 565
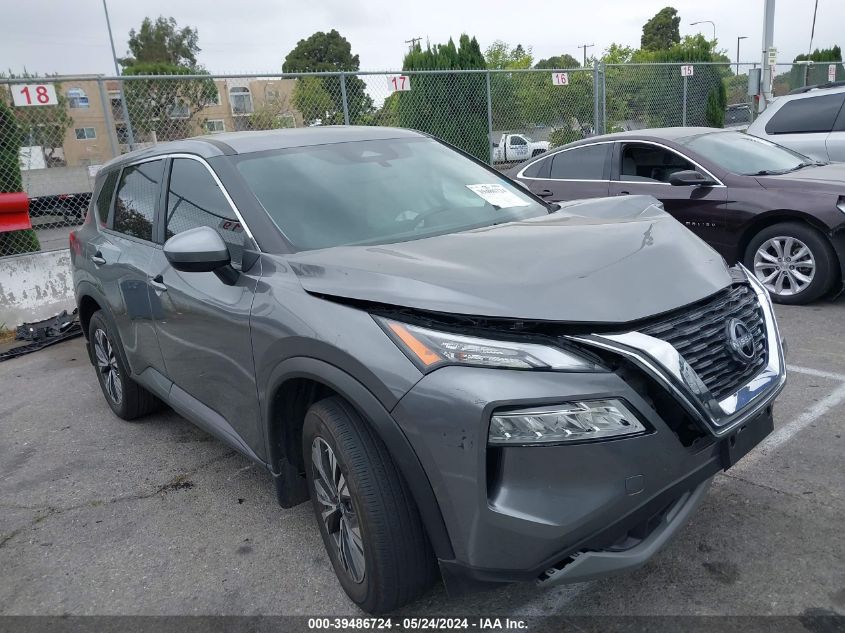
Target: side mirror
690, 178
199, 250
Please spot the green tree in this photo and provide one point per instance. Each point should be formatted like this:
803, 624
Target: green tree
166, 107
813, 70
329, 52
162, 41
500, 56
662, 31
44, 126
558, 61
452, 107
11, 137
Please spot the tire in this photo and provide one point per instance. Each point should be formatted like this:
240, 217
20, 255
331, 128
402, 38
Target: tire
818, 262
397, 564
537, 152
127, 398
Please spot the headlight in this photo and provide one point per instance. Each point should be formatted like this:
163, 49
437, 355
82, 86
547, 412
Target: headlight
841, 204
429, 349
574, 421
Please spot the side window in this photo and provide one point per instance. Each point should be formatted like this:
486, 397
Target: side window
650, 163
539, 169
581, 163
518, 140
134, 207
194, 199
105, 196
802, 116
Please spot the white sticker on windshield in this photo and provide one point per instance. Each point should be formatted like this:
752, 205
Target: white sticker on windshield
498, 196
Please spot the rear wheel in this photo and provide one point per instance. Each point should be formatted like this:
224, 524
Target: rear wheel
127, 398
793, 261
369, 523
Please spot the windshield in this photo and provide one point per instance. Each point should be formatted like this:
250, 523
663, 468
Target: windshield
378, 192
745, 154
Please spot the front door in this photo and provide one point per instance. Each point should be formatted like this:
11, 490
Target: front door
203, 323
644, 168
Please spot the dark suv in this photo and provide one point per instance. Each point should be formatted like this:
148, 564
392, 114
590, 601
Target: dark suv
466, 381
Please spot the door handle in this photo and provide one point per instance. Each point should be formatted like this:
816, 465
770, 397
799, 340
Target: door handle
157, 282
545, 193
98, 258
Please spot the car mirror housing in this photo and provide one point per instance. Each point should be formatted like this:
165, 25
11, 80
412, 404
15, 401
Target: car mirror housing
690, 178
197, 250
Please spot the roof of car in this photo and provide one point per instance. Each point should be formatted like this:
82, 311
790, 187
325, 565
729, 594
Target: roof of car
232, 143
656, 133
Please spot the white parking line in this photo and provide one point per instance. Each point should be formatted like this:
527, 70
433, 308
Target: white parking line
816, 372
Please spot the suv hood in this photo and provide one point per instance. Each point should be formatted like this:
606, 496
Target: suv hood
828, 178
608, 260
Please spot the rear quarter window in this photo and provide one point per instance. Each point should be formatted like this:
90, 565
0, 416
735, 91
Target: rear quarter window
104, 197
805, 116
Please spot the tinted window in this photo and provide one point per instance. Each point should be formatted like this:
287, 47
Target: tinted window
811, 114
379, 192
194, 199
518, 140
134, 207
540, 169
744, 154
650, 163
581, 163
105, 196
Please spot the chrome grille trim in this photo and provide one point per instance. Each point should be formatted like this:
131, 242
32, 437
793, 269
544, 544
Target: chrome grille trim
668, 367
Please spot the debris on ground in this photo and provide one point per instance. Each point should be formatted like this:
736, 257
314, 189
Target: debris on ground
41, 334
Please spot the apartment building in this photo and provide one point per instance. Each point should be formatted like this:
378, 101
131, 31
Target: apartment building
240, 104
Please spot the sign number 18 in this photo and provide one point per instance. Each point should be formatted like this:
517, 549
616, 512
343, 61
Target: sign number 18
34, 95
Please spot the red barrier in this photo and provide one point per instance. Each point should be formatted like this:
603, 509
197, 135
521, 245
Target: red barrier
14, 212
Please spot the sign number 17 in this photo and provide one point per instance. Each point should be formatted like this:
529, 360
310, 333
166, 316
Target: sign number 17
400, 83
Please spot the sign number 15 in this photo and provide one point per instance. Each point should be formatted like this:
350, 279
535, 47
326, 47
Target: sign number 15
400, 83
34, 95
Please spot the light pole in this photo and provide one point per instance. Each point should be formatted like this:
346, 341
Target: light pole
710, 22
740, 38
130, 136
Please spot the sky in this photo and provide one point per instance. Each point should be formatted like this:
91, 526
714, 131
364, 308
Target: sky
253, 36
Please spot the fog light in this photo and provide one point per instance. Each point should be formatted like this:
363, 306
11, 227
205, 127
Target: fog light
573, 421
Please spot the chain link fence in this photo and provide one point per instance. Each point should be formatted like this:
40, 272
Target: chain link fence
52, 146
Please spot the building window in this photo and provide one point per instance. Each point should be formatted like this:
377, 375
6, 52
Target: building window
116, 102
241, 100
213, 101
122, 133
215, 126
77, 98
85, 133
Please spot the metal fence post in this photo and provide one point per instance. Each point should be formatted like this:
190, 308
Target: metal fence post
489, 117
596, 124
684, 112
104, 102
603, 98
343, 97
130, 135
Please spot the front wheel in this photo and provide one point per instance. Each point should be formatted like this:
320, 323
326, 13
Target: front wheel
369, 523
794, 262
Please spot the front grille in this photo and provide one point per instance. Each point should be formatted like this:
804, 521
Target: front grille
699, 334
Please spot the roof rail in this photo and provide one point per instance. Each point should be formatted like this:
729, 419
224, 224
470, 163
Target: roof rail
829, 84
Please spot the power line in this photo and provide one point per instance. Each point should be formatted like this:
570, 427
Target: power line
585, 47
413, 42
813, 29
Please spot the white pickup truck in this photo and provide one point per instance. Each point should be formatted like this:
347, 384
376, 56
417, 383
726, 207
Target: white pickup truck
513, 148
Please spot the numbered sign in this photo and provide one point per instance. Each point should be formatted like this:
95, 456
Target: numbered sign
34, 95
400, 83
687, 71
831, 72
560, 79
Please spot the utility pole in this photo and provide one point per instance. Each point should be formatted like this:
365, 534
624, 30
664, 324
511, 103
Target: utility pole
130, 137
585, 47
740, 38
765, 94
412, 43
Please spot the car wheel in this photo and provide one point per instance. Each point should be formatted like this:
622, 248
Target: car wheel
127, 398
793, 261
367, 518
537, 152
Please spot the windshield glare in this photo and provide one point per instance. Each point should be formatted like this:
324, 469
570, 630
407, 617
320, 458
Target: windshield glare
745, 154
378, 192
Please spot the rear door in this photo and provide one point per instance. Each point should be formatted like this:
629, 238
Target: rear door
570, 174
641, 167
805, 124
121, 256
203, 323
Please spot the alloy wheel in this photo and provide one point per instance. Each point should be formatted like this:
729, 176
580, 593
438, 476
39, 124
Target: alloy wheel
784, 265
107, 366
337, 510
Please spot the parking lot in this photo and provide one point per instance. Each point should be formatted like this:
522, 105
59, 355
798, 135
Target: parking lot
100, 516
